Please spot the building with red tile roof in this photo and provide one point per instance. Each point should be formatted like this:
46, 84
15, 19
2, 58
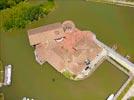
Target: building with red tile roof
64, 46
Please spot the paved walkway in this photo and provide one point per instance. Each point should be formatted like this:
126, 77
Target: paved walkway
116, 56
122, 88
118, 66
129, 93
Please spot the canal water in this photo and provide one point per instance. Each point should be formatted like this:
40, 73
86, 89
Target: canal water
111, 24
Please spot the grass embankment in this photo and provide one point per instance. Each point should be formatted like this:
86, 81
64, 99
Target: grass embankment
126, 89
1, 96
131, 98
1, 80
1, 73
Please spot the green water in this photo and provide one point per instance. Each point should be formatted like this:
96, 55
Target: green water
111, 24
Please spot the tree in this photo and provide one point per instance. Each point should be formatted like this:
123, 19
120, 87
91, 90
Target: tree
2, 4
48, 7
8, 3
23, 13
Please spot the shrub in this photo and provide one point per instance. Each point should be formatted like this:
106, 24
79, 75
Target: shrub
67, 74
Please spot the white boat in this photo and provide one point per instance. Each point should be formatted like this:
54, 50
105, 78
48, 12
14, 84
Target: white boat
111, 97
26, 98
7, 78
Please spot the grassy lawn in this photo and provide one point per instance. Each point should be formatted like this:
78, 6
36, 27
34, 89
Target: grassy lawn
108, 78
132, 98
1, 96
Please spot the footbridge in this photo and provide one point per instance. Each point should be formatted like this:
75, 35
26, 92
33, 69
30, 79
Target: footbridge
117, 57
